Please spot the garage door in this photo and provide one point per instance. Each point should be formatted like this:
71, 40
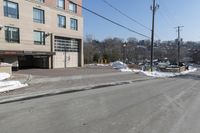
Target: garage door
68, 59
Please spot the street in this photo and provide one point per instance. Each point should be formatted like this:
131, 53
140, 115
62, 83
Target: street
167, 105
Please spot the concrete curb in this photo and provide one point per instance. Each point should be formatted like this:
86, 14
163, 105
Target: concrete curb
23, 97
30, 79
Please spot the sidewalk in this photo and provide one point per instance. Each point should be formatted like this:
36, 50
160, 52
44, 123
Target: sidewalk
66, 83
34, 76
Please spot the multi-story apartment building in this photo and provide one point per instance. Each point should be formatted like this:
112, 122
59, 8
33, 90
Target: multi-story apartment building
41, 33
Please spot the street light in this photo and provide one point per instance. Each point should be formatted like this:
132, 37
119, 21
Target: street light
124, 51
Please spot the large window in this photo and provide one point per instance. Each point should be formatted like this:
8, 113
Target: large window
38, 15
39, 37
61, 21
63, 44
61, 4
40, 1
73, 24
12, 34
72, 7
11, 9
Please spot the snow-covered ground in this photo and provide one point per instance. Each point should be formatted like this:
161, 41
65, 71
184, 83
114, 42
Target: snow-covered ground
4, 76
6, 85
103, 65
120, 66
166, 74
124, 68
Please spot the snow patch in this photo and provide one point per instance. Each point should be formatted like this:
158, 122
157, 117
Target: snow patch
5, 64
158, 74
120, 66
4, 76
165, 74
126, 70
9, 85
103, 65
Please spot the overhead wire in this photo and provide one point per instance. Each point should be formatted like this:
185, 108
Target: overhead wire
111, 21
122, 13
168, 14
130, 18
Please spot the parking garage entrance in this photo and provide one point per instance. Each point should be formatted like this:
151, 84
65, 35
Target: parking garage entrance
33, 61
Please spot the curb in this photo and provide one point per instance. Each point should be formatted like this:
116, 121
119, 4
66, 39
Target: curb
69, 90
31, 80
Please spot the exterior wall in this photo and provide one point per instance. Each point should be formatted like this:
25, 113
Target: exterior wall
52, 4
71, 59
26, 25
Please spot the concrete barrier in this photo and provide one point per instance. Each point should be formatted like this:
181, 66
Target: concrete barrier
174, 70
6, 68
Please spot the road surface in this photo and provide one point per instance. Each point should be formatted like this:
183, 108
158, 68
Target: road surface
170, 105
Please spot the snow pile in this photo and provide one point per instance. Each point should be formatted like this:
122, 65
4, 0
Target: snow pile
4, 76
191, 69
9, 85
158, 74
103, 65
120, 66
166, 74
5, 64
126, 70
136, 70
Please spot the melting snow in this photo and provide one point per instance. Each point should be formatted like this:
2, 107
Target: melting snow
4, 76
166, 74
120, 66
9, 85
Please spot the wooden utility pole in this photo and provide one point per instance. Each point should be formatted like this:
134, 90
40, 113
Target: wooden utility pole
154, 7
179, 42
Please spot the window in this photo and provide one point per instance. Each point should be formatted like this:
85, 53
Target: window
61, 21
11, 9
61, 4
72, 7
38, 15
12, 34
74, 24
40, 1
63, 44
39, 37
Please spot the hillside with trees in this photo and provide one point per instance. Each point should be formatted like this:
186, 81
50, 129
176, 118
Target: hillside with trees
111, 49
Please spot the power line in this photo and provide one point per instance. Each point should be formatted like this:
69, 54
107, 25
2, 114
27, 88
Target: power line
168, 13
165, 19
113, 22
132, 19
122, 13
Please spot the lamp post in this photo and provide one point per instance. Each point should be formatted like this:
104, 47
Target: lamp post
124, 51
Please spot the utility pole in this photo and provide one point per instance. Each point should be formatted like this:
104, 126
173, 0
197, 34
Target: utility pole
179, 41
124, 52
154, 7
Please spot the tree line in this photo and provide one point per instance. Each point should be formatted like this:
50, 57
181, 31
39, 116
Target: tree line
136, 51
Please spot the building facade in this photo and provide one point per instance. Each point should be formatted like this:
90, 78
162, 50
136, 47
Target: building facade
41, 33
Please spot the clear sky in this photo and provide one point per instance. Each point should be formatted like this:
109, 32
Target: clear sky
170, 14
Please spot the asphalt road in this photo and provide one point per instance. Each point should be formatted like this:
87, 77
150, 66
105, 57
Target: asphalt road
170, 105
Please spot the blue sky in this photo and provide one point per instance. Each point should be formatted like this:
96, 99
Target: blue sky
170, 14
